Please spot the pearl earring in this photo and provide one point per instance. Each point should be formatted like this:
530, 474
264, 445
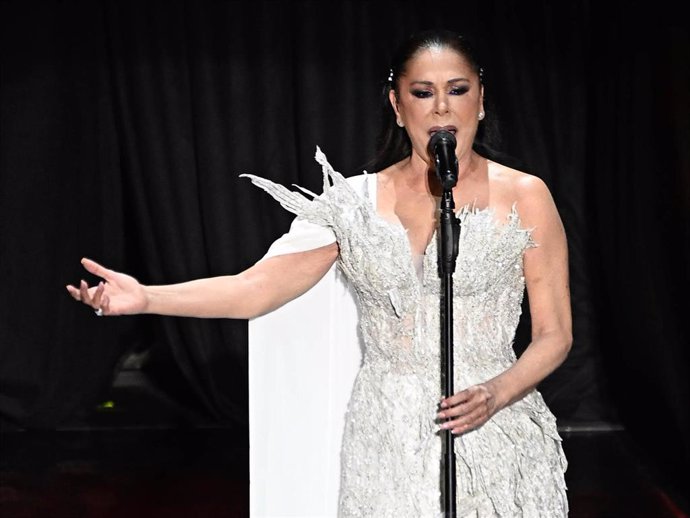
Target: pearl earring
400, 123
481, 115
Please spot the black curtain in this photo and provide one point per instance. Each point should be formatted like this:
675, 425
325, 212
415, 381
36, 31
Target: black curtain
124, 127
638, 204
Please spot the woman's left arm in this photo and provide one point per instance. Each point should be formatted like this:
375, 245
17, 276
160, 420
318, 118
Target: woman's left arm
546, 277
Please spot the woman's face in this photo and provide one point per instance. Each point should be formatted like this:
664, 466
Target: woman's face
439, 90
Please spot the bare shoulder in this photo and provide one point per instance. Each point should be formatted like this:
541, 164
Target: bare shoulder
385, 176
519, 185
386, 187
529, 193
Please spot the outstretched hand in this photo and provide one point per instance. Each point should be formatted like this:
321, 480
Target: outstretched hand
468, 409
116, 294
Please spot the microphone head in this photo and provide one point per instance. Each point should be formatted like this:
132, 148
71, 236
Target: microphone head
442, 150
442, 137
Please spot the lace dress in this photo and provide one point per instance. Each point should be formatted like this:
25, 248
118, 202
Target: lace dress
512, 466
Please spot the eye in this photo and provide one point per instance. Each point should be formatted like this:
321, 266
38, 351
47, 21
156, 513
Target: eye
421, 94
459, 90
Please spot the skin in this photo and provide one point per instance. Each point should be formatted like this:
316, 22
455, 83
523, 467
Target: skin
438, 89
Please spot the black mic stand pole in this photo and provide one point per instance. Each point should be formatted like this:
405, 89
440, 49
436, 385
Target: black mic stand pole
450, 234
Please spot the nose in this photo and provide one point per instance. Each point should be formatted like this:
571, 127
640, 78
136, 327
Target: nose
441, 106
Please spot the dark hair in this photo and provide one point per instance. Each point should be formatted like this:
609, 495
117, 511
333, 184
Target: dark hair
393, 144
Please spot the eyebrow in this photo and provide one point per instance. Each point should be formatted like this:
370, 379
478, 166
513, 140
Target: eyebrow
450, 81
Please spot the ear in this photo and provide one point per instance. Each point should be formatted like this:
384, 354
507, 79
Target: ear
481, 99
393, 98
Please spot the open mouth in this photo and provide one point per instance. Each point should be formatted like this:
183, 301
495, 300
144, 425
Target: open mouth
436, 129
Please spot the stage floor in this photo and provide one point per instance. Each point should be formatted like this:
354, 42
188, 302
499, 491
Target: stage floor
145, 457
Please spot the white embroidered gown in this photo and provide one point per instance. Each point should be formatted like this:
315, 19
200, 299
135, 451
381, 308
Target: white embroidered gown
512, 466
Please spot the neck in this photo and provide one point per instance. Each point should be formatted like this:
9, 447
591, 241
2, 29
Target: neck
467, 165
419, 176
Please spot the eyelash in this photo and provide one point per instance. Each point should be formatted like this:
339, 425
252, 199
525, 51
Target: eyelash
424, 94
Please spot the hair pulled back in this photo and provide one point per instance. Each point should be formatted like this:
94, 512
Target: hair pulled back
393, 144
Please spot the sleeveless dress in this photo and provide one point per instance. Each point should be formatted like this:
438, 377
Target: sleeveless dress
390, 463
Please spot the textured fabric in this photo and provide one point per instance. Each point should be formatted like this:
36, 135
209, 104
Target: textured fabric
303, 359
390, 462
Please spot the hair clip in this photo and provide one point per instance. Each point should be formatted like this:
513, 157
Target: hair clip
390, 75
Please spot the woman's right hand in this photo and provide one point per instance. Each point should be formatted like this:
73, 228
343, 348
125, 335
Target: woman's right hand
116, 294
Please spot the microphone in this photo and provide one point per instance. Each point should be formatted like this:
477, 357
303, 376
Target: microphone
442, 148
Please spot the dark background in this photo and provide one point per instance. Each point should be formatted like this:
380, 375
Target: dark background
124, 127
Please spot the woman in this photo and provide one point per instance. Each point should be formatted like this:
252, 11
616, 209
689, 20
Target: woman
380, 228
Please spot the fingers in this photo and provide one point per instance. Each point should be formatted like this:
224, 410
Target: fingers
105, 305
456, 399
97, 296
461, 409
465, 397
74, 292
93, 297
96, 269
467, 422
467, 409
84, 292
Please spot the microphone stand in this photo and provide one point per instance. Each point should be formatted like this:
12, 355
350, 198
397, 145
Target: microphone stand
450, 234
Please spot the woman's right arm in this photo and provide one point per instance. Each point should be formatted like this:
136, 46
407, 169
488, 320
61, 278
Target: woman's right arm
267, 285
